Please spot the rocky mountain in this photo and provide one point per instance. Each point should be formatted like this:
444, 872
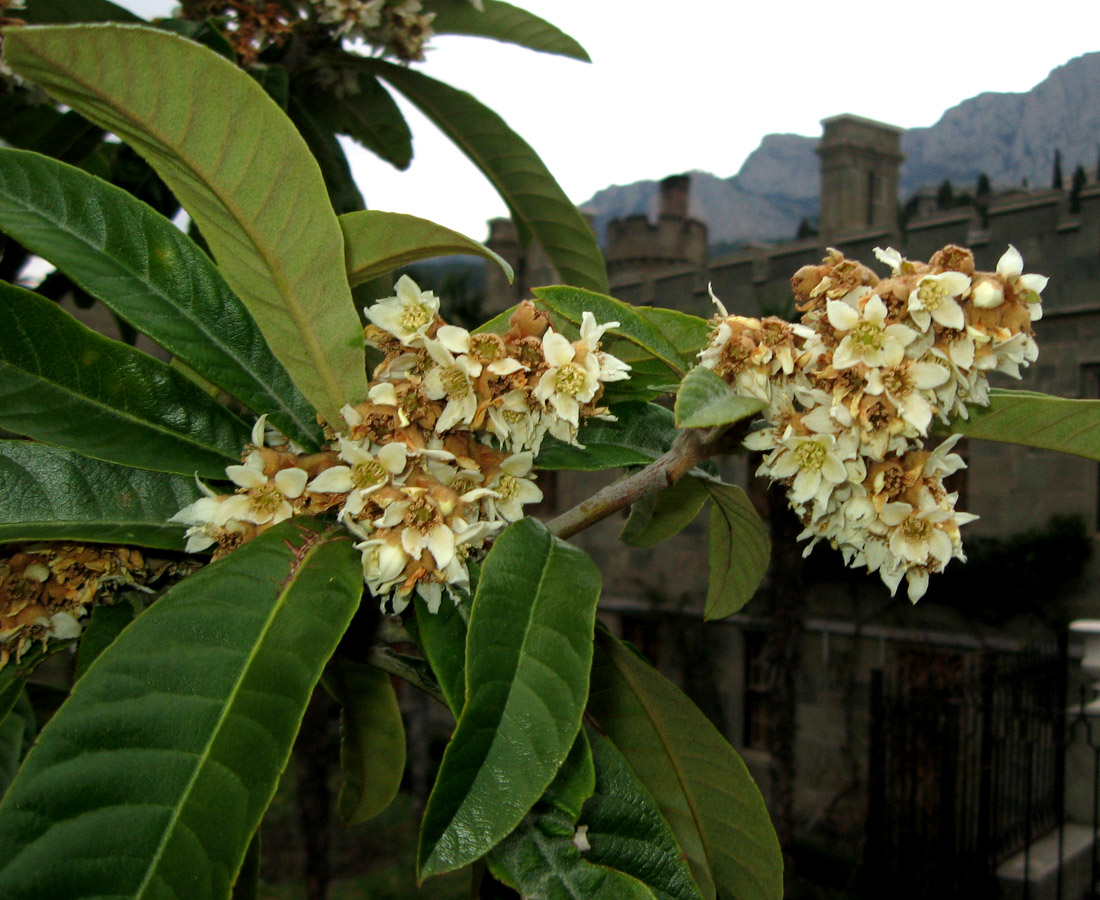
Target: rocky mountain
1009, 137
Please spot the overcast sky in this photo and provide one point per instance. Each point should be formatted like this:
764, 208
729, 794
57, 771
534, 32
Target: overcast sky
695, 84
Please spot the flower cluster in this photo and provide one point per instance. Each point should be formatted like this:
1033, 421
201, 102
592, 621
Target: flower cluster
251, 26
46, 591
439, 455
398, 28
852, 391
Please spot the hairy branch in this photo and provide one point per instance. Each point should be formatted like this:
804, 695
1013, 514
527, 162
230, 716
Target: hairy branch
691, 447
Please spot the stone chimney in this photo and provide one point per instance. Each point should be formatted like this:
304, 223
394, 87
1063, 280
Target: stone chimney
674, 197
860, 159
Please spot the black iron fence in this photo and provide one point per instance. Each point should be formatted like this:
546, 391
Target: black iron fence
968, 770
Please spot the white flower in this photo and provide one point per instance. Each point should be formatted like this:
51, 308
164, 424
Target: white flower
611, 368
459, 340
424, 527
512, 489
514, 423
266, 500
906, 386
383, 564
814, 463
407, 315
1011, 267
364, 474
566, 384
869, 339
453, 377
933, 298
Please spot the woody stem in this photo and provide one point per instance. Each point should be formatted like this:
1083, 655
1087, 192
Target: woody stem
690, 448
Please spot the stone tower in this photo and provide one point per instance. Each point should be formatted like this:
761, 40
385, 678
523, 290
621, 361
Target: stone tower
860, 159
636, 246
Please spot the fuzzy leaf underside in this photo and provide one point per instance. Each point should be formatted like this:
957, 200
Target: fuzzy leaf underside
239, 168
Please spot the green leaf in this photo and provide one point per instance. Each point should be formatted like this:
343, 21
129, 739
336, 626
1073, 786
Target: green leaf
142, 267
539, 858
705, 400
626, 830
56, 494
64, 384
649, 379
10, 689
372, 745
527, 659
536, 201
739, 550
504, 22
52, 12
378, 242
442, 638
326, 149
151, 779
16, 736
104, 625
642, 433
241, 170
660, 515
687, 333
247, 884
368, 115
571, 303
23, 122
699, 782
1034, 420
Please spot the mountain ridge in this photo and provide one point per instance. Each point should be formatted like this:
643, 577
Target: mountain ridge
1010, 137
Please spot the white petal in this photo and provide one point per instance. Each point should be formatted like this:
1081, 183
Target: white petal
889, 257
556, 349
949, 313
518, 464
1033, 282
505, 366
291, 482
246, 476
393, 457
455, 339
258, 430
336, 480
441, 544
987, 295
1011, 265
841, 316
383, 393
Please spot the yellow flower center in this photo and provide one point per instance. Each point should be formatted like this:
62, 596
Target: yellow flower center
368, 474
266, 499
895, 382
571, 379
422, 516
931, 294
414, 316
867, 335
507, 487
916, 529
454, 382
486, 348
810, 455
